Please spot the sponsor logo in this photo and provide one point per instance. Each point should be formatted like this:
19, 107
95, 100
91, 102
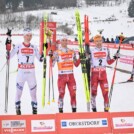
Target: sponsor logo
51, 25
27, 51
42, 125
104, 122
64, 124
13, 126
26, 66
66, 56
84, 123
123, 122
100, 54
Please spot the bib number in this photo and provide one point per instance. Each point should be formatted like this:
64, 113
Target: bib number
100, 62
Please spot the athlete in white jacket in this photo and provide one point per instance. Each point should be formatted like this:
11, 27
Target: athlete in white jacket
26, 70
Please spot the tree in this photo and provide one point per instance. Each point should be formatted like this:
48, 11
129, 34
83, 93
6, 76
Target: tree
131, 9
15, 4
2, 6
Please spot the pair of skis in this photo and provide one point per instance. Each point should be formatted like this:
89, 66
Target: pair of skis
85, 73
43, 30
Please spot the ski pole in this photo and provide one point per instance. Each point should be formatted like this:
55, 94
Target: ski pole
113, 79
8, 48
49, 84
53, 100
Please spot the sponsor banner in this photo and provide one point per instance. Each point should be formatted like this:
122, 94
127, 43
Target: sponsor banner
108, 45
13, 126
84, 123
123, 122
126, 60
42, 125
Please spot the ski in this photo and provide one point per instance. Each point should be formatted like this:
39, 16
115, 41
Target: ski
44, 27
120, 70
123, 82
8, 48
87, 50
51, 70
82, 59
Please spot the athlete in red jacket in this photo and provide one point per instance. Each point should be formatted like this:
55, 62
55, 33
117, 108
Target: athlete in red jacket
100, 56
66, 59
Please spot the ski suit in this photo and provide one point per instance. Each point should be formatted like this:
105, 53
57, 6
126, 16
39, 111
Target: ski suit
65, 59
99, 58
26, 71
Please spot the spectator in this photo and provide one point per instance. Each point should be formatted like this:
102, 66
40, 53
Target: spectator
121, 36
107, 40
112, 40
103, 38
117, 40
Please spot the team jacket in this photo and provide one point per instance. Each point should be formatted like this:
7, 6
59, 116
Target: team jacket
99, 58
25, 55
65, 59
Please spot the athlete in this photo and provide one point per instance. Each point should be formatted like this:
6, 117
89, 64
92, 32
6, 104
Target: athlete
65, 59
26, 70
100, 56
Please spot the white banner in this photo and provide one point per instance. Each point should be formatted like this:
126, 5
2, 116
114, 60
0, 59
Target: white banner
123, 122
84, 123
13, 123
42, 125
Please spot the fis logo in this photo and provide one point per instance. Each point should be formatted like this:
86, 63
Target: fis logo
104, 122
64, 124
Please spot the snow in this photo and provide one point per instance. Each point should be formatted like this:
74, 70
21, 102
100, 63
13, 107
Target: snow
122, 99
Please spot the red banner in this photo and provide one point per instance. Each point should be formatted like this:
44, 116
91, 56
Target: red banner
68, 123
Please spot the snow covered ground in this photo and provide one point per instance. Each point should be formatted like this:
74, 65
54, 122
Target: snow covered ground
122, 99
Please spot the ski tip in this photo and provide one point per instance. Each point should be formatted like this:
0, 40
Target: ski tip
48, 103
53, 100
5, 111
43, 105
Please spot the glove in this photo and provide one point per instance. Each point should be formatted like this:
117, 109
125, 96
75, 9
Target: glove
46, 45
49, 33
42, 57
50, 53
116, 56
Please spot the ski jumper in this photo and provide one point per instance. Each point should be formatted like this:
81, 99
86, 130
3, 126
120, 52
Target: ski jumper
65, 59
26, 71
99, 58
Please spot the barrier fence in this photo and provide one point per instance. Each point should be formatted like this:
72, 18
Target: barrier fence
109, 45
69, 123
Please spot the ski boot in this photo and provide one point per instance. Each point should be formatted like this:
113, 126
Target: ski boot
60, 110
34, 107
130, 80
73, 110
106, 109
34, 110
94, 109
18, 111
